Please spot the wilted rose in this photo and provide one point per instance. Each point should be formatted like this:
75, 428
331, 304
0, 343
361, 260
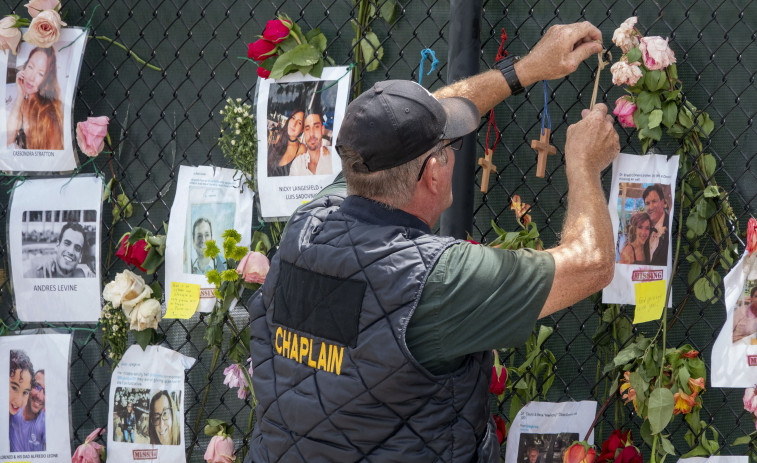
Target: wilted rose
696, 385
90, 135
146, 314
656, 53
253, 267
625, 74
751, 235
683, 403
127, 288
499, 380
260, 49
220, 450
624, 36
501, 428
277, 30
10, 35
578, 453
89, 451
624, 110
44, 30
35, 7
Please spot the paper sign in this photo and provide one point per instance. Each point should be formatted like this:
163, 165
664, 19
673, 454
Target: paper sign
185, 297
650, 298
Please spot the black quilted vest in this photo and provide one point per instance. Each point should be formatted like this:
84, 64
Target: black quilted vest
332, 373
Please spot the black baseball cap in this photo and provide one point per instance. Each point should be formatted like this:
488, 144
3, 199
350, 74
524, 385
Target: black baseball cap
398, 120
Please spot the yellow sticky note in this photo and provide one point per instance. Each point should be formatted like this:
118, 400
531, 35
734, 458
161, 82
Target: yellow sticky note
184, 299
650, 300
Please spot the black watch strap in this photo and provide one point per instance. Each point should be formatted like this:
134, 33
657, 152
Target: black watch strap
507, 68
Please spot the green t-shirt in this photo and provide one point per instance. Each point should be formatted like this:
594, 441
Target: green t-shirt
476, 298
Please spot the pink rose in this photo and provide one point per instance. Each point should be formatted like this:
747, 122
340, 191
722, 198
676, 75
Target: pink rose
751, 235
89, 451
90, 135
253, 267
220, 450
499, 380
10, 35
625, 74
624, 36
624, 109
35, 7
260, 49
44, 30
277, 30
656, 53
750, 400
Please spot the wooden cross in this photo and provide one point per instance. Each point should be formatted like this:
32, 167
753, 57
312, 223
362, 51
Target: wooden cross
488, 168
542, 147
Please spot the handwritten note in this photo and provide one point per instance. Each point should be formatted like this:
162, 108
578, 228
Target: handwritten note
650, 300
185, 297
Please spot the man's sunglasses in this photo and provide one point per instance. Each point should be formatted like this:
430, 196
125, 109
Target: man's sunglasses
455, 144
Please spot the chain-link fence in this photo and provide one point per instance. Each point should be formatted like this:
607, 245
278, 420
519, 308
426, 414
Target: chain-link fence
162, 119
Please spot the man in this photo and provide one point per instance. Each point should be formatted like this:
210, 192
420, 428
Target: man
745, 318
66, 263
533, 455
317, 159
656, 206
202, 232
27, 428
371, 338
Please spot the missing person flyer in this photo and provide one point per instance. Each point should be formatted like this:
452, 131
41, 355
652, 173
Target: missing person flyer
38, 429
54, 247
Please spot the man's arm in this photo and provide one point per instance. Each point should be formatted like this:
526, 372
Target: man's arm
584, 259
556, 55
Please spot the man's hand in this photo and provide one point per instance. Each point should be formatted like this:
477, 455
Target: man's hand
592, 142
559, 52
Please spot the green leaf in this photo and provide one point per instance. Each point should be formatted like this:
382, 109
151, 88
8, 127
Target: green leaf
639, 385
710, 164
743, 440
317, 69
645, 101
650, 80
152, 261
372, 50
673, 71
667, 446
706, 124
669, 113
633, 55
655, 118
388, 11
684, 117
145, 337
653, 133
318, 42
312, 33
660, 410
286, 45
697, 451
703, 290
712, 191
157, 291
305, 55
646, 433
281, 66
696, 224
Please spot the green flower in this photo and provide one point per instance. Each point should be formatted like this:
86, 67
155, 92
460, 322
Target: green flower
231, 233
211, 250
239, 252
229, 275
213, 277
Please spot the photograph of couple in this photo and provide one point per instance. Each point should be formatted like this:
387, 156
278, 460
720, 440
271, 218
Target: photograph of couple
644, 232
26, 426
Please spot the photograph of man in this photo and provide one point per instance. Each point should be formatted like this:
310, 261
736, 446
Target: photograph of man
533, 455
745, 317
202, 232
27, 427
66, 260
128, 423
655, 206
317, 159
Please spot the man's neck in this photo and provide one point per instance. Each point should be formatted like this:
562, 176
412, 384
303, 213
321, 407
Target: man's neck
29, 415
315, 156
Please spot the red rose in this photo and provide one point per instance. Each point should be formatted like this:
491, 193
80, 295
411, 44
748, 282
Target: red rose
618, 439
260, 49
751, 235
501, 428
277, 30
134, 254
497, 385
629, 454
263, 72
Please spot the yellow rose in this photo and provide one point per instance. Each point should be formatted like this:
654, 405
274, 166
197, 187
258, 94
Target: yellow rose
44, 30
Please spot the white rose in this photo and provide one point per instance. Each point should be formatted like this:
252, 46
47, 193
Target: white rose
145, 315
10, 35
126, 288
35, 7
44, 30
624, 37
624, 73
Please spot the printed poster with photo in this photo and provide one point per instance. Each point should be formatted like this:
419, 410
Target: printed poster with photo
146, 406
298, 118
209, 200
542, 431
36, 127
641, 211
39, 427
54, 246
716, 459
734, 354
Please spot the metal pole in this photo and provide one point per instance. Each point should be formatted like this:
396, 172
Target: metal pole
464, 51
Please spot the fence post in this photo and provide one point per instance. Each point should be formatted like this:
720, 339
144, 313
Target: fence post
464, 51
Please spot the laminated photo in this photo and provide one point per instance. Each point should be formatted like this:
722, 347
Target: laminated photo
36, 126
38, 429
641, 211
734, 354
542, 431
298, 118
147, 406
209, 200
54, 246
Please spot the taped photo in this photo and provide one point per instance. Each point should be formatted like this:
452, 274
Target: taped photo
36, 127
298, 118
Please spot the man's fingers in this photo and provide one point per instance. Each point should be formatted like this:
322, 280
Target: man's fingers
609, 118
600, 108
584, 51
584, 113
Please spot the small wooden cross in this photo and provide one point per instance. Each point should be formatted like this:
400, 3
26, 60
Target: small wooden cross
488, 168
542, 147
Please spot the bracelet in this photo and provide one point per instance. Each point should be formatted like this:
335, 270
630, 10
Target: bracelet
507, 68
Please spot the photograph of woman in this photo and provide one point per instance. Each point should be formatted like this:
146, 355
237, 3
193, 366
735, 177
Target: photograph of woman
285, 145
165, 426
636, 249
35, 120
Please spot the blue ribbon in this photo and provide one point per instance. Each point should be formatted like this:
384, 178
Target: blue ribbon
545, 114
427, 53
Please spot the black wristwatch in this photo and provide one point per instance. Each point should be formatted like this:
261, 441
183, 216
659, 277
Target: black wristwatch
507, 68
